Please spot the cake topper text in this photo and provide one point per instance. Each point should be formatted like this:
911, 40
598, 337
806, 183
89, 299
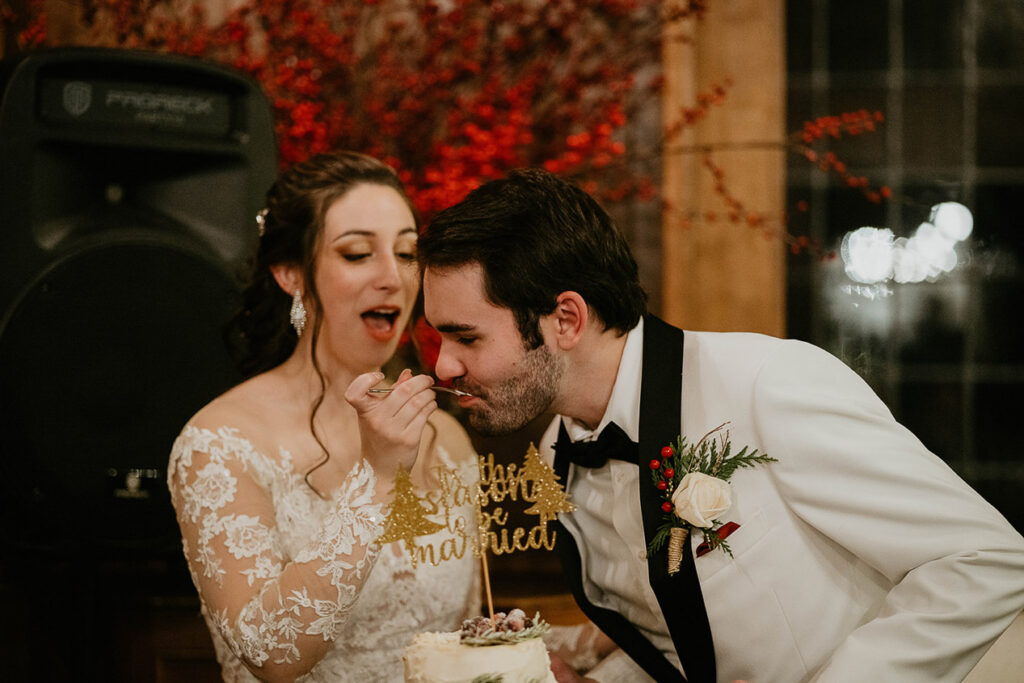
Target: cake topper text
414, 514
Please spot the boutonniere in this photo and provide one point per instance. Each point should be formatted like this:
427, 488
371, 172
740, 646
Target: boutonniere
693, 481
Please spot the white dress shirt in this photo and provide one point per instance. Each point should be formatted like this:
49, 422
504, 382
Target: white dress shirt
615, 560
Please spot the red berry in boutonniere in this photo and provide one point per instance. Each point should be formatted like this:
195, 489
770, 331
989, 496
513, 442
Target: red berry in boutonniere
666, 506
655, 464
662, 485
667, 452
669, 472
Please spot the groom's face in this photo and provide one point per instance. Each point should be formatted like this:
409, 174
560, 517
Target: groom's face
482, 352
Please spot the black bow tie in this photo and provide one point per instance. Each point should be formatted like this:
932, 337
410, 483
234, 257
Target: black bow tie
612, 443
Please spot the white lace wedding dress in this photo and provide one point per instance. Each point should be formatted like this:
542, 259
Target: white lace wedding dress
244, 515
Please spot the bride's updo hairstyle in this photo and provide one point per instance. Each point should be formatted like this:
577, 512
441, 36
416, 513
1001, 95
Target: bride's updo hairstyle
291, 226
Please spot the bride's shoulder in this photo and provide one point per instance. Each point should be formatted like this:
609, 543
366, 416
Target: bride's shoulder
237, 417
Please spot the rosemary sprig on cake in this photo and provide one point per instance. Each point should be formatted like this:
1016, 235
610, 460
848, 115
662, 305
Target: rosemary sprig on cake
513, 627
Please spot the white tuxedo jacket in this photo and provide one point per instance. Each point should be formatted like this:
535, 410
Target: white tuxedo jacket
860, 555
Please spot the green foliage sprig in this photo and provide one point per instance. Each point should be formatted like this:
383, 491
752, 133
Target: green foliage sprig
710, 456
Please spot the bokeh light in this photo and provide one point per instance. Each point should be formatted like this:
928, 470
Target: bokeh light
874, 255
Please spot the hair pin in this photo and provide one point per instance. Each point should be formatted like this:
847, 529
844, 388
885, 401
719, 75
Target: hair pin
261, 221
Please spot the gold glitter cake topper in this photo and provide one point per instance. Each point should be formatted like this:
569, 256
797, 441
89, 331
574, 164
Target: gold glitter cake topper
534, 483
411, 514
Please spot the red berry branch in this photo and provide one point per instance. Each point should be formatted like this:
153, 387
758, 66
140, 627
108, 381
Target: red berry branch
458, 93
802, 142
834, 127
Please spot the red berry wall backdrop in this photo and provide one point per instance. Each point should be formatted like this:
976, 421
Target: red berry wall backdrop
458, 92
451, 94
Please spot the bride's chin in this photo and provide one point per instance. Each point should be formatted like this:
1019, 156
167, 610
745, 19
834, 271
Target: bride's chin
379, 360
366, 359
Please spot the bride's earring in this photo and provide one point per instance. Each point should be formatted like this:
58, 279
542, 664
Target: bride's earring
297, 315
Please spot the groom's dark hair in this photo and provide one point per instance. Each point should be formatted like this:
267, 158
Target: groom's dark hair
536, 236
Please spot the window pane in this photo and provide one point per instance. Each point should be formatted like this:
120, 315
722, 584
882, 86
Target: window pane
1000, 129
933, 34
933, 126
934, 412
999, 411
858, 35
1001, 25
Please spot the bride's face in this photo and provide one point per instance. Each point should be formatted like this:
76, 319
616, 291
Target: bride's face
366, 275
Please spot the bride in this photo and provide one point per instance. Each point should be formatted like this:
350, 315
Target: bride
279, 484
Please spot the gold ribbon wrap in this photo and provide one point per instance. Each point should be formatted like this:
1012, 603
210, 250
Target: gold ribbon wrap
677, 536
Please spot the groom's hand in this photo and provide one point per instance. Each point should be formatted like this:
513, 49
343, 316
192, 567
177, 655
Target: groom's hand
565, 673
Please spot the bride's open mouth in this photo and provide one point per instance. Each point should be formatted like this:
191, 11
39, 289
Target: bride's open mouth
380, 322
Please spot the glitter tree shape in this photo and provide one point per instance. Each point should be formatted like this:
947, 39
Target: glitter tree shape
407, 516
548, 496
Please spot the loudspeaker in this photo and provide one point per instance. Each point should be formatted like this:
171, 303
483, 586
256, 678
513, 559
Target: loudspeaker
129, 186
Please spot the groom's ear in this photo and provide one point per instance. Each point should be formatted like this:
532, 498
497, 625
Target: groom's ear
569, 320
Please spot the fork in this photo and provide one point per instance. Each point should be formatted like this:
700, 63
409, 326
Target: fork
436, 387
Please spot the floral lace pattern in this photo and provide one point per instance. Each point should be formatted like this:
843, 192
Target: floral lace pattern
281, 572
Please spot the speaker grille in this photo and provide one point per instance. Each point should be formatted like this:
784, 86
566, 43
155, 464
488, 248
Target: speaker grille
102, 361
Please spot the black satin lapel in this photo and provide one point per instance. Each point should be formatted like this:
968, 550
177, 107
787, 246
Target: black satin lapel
613, 624
679, 596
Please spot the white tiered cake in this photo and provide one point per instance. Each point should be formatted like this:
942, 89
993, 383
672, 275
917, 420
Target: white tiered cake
508, 650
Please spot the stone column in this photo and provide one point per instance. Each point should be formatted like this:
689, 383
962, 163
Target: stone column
717, 274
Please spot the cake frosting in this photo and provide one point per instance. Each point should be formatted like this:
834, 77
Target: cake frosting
484, 651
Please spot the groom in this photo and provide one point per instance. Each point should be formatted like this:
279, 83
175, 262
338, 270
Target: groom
856, 555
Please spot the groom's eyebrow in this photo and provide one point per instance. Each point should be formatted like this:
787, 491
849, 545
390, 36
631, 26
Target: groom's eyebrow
454, 327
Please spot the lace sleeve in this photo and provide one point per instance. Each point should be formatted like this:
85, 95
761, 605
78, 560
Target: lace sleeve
279, 615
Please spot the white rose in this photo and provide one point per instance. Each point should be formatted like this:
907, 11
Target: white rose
701, 498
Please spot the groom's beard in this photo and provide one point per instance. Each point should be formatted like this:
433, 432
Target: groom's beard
520, 398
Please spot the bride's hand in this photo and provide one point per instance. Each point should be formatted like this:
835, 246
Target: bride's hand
390, 425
